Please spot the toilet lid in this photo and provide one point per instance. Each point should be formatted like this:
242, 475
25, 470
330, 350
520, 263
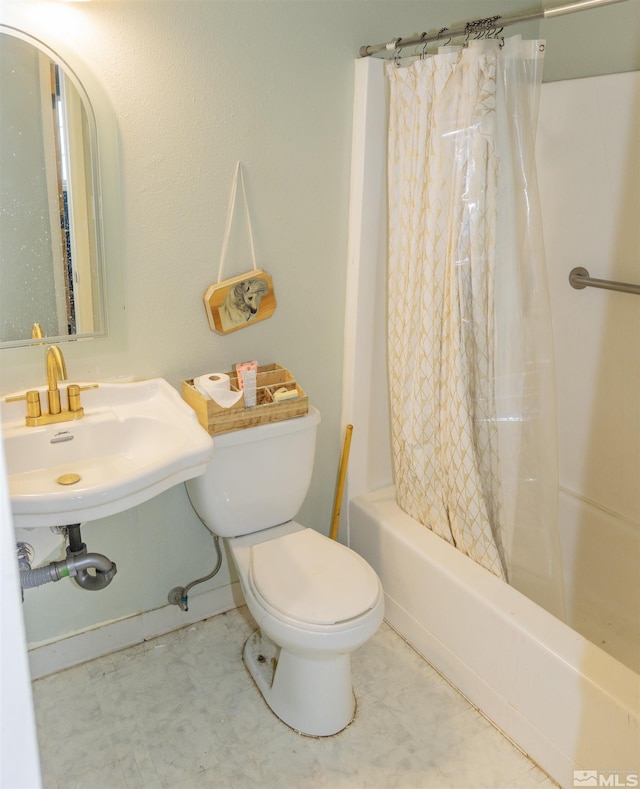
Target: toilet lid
313, 579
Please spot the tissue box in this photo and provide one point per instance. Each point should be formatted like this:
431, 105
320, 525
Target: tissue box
269, 379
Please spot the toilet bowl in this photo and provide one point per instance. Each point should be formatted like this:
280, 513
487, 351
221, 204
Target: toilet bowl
314, 600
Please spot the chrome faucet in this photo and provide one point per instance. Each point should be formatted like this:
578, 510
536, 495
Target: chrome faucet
56, 371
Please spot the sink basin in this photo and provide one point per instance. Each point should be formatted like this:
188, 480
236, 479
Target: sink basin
135, 440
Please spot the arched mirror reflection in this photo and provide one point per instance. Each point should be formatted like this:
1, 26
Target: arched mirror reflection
51, 262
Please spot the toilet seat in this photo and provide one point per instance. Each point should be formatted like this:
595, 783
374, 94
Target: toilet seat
311, 579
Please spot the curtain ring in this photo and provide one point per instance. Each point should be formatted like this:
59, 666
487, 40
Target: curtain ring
440, 32
423, 55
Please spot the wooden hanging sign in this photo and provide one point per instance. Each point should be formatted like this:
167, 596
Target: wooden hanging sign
234, 303
239, 301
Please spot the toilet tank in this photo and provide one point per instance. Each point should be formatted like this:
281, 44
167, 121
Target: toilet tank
258, 477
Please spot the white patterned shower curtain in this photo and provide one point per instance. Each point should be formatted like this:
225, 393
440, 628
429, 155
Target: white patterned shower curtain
469, 330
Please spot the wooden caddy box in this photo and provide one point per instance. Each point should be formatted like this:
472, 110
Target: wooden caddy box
270, 377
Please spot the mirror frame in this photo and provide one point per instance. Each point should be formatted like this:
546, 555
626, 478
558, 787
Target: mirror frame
94, 159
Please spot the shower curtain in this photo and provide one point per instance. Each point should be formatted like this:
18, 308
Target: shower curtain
469, 331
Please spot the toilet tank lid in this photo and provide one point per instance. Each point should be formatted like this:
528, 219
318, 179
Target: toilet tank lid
310, 578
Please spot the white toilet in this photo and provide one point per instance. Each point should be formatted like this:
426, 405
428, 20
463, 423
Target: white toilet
313, 599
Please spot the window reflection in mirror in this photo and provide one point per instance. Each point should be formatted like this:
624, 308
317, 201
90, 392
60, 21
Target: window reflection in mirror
50, 225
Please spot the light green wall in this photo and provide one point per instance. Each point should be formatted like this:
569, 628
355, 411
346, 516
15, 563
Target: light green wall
183, 89
601, 41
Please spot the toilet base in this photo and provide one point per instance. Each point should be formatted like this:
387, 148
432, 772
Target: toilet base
311, 695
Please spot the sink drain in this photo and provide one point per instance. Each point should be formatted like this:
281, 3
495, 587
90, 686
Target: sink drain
68, 479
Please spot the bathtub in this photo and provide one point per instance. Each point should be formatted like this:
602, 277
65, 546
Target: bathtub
563, 700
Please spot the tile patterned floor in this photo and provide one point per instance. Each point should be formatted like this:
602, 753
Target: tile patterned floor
182, 712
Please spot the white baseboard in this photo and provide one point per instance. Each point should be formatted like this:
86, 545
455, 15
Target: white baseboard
52, 656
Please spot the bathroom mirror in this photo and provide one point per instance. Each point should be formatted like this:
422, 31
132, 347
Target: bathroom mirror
51, 259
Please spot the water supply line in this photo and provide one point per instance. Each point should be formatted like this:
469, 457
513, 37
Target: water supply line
77, 565
179, 595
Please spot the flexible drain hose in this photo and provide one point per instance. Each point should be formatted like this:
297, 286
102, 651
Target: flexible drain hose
73, 566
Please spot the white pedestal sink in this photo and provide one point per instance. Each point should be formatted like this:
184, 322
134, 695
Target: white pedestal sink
134, 441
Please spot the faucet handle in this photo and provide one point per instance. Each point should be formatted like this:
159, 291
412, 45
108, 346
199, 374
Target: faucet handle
73, 393
33, 401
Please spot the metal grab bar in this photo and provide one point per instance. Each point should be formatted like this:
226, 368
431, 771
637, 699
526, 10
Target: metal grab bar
579, 278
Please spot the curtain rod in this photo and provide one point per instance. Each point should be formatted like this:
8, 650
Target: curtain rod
478, 25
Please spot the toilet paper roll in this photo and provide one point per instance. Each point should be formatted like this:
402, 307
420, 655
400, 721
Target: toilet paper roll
217, 387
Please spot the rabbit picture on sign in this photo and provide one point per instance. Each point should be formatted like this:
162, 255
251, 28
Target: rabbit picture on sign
240, 301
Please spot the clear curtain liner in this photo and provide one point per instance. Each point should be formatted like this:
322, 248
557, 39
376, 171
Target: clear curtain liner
525, 390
